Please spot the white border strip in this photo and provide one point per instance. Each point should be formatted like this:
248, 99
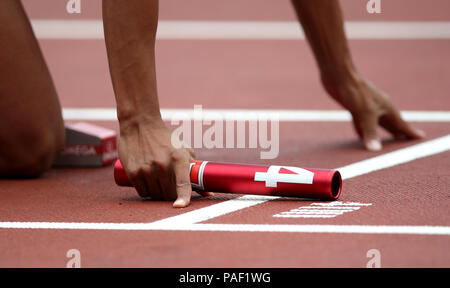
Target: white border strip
353, 229
109, 114
213, 211
346, 229
245, 30
398, 157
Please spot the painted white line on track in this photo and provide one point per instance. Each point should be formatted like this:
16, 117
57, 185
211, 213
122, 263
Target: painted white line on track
110, 114
324, 210
398, 157
245, 30
346, 229
215, 210
353, 229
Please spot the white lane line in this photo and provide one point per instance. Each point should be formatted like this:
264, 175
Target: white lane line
398, 157
318, 208
94, 114
304, 216
337, 204
346, 229
359, 168
110, 114
251, 30
314, 212
76, 226
323, 210
215, 210
353, 229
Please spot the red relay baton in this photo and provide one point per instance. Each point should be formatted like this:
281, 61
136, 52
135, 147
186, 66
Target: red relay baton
257, 180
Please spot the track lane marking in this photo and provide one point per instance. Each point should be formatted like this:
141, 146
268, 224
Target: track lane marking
246, 30
287, 228
397, 157
215, 210
322, 210
282, 115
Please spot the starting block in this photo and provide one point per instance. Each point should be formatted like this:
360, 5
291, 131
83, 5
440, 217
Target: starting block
87, 145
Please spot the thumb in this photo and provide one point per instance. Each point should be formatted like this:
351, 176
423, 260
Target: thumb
183, 184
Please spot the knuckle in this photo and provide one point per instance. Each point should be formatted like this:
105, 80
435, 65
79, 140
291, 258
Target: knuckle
145, 170
179, 156
367, 112
141, 192
161, 164
136, 172
133, 174
183, 186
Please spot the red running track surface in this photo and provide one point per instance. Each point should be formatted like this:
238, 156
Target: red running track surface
245, 74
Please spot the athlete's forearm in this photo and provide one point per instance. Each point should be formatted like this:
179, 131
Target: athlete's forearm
130, 29
324, 28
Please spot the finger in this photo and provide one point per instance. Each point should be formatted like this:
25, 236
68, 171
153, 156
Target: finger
183, 184
368, 126
140, 187
152, 182
394, 123
205, 194
137, 181
168, 183
357, 127
191, 153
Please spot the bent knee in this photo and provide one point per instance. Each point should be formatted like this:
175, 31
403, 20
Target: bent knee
33, 154
37, 160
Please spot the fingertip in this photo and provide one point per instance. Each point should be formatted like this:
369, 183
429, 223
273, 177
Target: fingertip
420, 134
180, 203
373, 145
206, 194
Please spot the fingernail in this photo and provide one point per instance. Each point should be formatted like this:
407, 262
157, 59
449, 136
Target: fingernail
179, 203
421, 133
373, 145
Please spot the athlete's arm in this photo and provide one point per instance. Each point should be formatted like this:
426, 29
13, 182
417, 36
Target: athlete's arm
323, 24
154, 166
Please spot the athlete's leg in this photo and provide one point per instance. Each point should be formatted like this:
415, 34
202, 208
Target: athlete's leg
31, 126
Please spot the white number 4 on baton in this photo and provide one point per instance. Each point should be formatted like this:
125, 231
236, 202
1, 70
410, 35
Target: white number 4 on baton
272, 176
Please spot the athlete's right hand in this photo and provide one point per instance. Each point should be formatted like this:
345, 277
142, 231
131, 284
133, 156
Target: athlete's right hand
154, 166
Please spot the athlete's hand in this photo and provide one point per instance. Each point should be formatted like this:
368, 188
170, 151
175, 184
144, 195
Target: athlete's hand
154, 166
371, 107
